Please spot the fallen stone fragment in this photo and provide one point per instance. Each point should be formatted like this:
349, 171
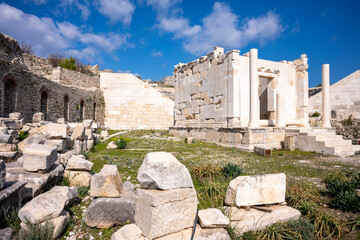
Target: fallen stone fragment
111, 145
55, 130
79, 146
104, 133
212, 218
47, 205
106, 212
87, 123
34, 139
161, 170
88, 134
78, 133
128, 232
106, 183
39, 157
60, 120
6, 147
79, 163
6, 138
254, 220
200, 234
15, 115
256, 190
6, 233
60, 144
11, 195
38, 117
2, 174
160, 213
78, 178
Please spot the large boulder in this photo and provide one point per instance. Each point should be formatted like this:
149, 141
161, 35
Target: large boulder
33, 139
256, 190
128, 232
78, 133
77, 162
55, 130
159, 213
60, 144
47, 205
106, 212
38, 117
212, 218
2, 174
106, 183
39, 157
161, 170
111, 145
78, 178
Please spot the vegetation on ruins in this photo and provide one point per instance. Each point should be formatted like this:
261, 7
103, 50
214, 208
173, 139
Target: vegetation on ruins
26, 48
74, 64
22, 135
68, 63
315, 114
37, 231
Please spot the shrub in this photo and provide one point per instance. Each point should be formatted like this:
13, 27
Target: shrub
82, 191
37, 231
121, 144
231, 170
205, 171
315, 114
11, 218
26, 48
348, 122
22, 135
68, 63
54, 59
85, 154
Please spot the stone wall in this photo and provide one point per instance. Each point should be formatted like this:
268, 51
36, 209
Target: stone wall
134, 104
27, 86
214, 90
344, 98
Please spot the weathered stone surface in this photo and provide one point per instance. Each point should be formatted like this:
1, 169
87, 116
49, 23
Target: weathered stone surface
34, 139
200, 234
55, 130
64, 157
88, 134
6, 233
38, 117
35, 182
106, 212
106, 183
159, 213
254, 220
94, 125
60, 120
77, 162
2, 174
161, 170
78, 178
15, 115
8, 157
47, 205
212, 218
89, 144
60, 144
79, 146
256, 190
5, 138
59, 223
39, 157
12, 194
128, 232
6, 147
104, 133
87, 123
111, 145
78, 133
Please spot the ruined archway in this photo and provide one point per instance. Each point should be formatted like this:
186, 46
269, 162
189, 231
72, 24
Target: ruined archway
66, 108
9, 96
44, 104
81, 110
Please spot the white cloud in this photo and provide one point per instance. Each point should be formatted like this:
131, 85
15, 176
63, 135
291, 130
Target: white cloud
117, 10
222, 28
83, 7
156, 53
47, 37
37, 2
162, 7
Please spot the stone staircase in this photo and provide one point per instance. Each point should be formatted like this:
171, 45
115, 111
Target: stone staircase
325, 140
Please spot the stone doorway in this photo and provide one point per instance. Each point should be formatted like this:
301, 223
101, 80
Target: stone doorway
66, 108
9, 97
81, 111
94, 111
266, 98
44, 104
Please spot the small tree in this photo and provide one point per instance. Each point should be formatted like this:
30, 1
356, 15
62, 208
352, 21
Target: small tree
54, 59
68, 63
26, 48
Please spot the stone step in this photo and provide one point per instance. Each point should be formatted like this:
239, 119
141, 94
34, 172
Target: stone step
328, 137
337, 143
347, 150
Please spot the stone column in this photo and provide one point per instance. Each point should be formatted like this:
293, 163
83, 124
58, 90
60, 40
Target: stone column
254, 89
280, 111
325, 96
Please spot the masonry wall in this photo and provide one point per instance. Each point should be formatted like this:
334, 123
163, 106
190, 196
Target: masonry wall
214, 90
24, 79
344, 98
133, 104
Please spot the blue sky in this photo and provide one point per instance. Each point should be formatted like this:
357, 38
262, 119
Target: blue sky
149, 37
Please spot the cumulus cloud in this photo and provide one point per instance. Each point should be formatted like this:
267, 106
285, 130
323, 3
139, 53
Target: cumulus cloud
47, 36
117, 10
82, 6
222, 28
156, 53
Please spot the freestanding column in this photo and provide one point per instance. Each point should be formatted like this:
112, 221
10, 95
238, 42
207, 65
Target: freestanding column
325, 96
254, 89
280, 111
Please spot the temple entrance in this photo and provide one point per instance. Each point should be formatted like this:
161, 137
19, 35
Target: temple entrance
81, 110
44, 104
94, 111
9, 97
66, 108
267, 99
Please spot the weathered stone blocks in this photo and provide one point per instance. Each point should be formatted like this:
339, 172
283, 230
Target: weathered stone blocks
2, 174
106, 183
161, 170
6, 138
256, 190
56, 131
212, 218
128, 232
78, 133
38, 117
78, 178
79, 163
39, 157
159, 213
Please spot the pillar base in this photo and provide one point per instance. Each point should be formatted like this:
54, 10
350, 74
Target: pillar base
326, 125
254, 125
280, 125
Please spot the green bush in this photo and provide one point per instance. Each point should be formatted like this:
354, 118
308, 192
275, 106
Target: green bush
82, 191
121, 144
37, 231
11, 218
315, 114
85, 154
22, 135
68, 63
231, 170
